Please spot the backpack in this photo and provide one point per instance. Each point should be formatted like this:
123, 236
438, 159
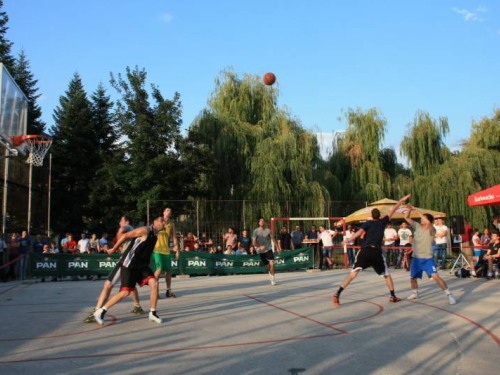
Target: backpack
462, 273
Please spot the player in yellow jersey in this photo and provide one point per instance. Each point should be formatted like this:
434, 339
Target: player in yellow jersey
161, 254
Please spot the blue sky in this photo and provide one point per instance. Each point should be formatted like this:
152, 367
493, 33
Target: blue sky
398, 56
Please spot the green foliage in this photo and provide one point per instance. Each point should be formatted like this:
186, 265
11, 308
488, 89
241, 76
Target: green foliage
255, 149
6, 57
423, 144
27, 82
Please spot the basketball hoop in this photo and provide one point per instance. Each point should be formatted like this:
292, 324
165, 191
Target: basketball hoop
36, 145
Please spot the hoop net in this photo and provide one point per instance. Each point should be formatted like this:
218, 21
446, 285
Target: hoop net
36, 145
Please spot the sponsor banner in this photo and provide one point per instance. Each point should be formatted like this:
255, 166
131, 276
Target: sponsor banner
188, 263
201, 263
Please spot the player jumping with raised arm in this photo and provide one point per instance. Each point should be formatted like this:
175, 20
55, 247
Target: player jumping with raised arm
370, 254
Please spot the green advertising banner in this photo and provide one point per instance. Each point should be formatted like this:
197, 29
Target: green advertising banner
189, 263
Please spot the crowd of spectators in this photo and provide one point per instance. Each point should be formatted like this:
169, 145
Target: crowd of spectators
397, 243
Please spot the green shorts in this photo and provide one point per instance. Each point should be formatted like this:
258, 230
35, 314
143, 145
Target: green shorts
162, 262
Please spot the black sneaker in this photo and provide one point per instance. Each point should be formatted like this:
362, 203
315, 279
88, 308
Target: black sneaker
169, 294
90, 318
137, 310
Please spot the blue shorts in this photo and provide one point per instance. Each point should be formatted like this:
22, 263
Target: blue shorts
418, 266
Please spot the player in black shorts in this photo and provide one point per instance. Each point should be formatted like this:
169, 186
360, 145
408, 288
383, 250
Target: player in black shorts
135, 268
114, 275
262, 239
370, 254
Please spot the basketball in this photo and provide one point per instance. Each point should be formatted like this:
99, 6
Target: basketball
269, 79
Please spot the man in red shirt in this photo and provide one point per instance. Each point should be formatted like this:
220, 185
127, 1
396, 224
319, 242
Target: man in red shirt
70, 245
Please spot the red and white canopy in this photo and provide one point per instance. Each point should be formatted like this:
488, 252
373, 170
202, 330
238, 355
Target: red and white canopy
486, 197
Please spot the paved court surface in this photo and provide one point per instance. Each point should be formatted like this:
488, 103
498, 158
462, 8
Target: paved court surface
243, 325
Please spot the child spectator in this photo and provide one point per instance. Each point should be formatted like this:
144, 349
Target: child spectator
229, 250
241, 250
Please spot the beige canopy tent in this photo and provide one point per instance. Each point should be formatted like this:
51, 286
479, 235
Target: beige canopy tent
385, 205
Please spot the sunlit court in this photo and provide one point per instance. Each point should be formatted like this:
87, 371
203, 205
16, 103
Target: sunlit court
241, 324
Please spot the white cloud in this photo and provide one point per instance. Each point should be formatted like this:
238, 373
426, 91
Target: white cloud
166, 17
471, 15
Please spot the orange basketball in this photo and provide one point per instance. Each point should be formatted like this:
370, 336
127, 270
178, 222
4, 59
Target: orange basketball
269, 79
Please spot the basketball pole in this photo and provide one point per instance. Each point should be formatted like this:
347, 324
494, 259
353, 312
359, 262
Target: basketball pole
5, 187
49, 196
30, 183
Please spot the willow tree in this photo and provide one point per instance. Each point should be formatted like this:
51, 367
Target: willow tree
442, 180
256, 150
363, 144
423, 144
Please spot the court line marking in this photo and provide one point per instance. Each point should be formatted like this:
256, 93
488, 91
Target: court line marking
113, 321
149, 352
296, 314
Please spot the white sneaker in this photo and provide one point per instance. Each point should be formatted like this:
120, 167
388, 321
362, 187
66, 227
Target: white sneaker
99, 316
153, 317
452, 300
413, 296
273, 281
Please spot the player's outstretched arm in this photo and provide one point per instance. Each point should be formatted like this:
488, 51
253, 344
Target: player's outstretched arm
400, 202
139, 232
407, 214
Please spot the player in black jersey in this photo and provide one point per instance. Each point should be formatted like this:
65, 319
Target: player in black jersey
114, 275
135, 268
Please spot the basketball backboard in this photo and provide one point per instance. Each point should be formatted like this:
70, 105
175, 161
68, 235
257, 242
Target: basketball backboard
13, 111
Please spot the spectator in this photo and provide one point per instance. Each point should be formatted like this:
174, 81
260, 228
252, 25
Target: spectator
218, 249
496, 222
350, 251
104, 240
252, 251
493, 253
189, 240
94, 244
197, 248
245, 240
83, 246
187, 249
485, 238
441, 241
65, 239
327, 237
104, 248
205, 241
13, 251
241, 250
3, 253
53, 248
390, 237
70, 245
297, 238
230, 239
229, 250
285, 239
39, 244
211, 250
24, 249
404, 234
312, 234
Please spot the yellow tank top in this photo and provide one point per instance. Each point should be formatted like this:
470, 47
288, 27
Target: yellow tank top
162, 243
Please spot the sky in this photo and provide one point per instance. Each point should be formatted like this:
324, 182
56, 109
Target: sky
328, 56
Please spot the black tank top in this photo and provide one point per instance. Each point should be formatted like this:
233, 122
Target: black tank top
139, 255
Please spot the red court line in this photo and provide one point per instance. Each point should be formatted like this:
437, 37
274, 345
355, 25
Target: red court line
296, 314
379, 311
113, 321
483, 328
169, 350
12, 287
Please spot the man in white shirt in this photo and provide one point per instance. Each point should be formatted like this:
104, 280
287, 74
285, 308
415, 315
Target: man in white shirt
441, 241
326, 236
83, 245
350, 251
390, 238
404, 240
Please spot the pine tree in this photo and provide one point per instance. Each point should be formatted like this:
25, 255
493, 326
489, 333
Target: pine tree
74, 157
6, 57
103, 122
27, 82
